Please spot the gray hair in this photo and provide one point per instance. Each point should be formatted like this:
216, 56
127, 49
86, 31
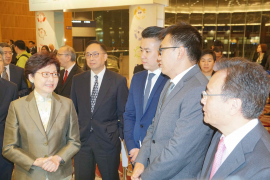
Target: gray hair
247, 81
70, 51
2, 53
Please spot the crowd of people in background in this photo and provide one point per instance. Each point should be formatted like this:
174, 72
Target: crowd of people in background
188, 114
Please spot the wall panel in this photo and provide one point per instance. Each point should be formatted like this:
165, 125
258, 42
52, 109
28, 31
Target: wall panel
17, 22
68, 32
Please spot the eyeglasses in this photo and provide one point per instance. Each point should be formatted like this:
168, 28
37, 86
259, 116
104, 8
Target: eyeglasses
94, 55
61, 54
161, 49
47, 74
204, 94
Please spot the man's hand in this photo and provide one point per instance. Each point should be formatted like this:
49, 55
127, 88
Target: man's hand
52, 164
137, 171
40, 161
133, 154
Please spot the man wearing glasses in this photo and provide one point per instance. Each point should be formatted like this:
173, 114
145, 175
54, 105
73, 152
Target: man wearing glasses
99, 96
8, 93
13, 73
67, 57
177, 140
234, 99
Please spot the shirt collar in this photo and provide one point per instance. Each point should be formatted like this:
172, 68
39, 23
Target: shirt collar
180, 76
70, 68
7, 66
100, 75
40, 98
156, 72
235, 137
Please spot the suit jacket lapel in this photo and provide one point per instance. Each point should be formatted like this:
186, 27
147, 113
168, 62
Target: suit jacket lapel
86, 89
104, 87
212, 149
32, 109
233, 161
141, 88
11, 73
60, 82
55, 109
237, 156
180, 85
2, 91
70, 76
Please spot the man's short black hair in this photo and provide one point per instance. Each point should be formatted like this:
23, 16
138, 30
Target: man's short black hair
32, 42
208, 51
183, 34
103, 47
152, 32
20, 44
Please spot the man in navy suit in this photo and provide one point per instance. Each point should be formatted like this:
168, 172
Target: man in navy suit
144, 92
8, 93
14, 73
234, 99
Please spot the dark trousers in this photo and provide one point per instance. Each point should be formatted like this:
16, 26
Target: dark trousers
6, 167
90, 154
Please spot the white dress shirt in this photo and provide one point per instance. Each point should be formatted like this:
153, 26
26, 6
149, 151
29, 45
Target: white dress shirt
157, 72
179, 76
235, 137
100, 77
8, 72
69, 69
44, 107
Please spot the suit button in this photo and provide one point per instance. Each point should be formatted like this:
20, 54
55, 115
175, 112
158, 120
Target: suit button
91, 118
154, 141
45, 144
141, 126
46, 156
137, 141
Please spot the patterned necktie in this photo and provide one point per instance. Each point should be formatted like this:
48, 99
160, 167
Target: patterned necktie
147, 90
94, 94
218, 157
65, 78
4, 74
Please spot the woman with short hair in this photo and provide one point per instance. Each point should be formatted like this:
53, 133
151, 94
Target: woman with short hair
207, 62
42, 131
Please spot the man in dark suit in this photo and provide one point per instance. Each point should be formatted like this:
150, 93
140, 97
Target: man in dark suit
177, 140
144, 92
32, 47
8, 93
99, 96
67, 57
234, 99
13, 73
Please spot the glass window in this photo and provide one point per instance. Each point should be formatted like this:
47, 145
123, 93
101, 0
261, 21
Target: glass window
209, 30
169, 19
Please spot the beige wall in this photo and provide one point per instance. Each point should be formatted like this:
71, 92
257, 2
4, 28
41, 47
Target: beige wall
17, 22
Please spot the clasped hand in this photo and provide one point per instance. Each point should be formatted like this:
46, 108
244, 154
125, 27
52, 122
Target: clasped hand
49, 164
